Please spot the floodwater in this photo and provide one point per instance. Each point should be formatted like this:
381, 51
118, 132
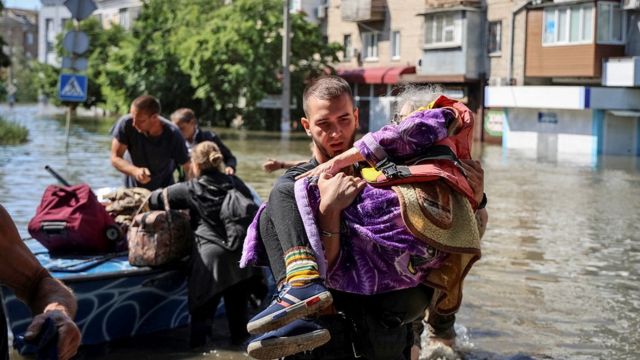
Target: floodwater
559, 277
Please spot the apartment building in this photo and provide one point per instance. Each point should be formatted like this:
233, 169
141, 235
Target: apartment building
54, 15
393, 42
120, 12
382, 41
576, 92
19, 28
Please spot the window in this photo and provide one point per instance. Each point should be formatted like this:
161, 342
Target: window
49, 35
395, 45
370, 45
295, 6
29, 38
568, 25
348, 48
443, 30
123, 18
495, 37
610, 23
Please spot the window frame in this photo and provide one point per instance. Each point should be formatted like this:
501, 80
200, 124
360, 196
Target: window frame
395, 44
375, 38
347, 54
431, 26
623, 23
497, 51
124, 18
568, 9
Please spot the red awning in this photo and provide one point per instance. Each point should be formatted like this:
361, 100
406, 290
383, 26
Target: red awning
376, 75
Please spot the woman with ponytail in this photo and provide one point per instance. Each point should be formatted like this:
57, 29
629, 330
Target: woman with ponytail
213, 270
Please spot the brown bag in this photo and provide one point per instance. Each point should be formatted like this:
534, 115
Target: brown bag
159, 237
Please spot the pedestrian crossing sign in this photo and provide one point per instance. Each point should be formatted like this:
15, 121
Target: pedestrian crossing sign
72, 88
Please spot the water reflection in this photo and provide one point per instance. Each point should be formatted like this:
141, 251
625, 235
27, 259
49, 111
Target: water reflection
560, 272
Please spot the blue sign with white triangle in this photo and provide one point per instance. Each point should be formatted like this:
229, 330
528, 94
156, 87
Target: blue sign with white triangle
72, 88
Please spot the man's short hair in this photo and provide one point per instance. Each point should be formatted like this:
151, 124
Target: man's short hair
326, 88
183, 116
147, 104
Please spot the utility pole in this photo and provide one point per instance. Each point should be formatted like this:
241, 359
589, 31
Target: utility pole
285, 120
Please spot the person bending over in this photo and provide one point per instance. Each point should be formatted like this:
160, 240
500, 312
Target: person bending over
214, 272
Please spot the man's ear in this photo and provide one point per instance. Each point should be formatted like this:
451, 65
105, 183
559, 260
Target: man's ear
305, 124
356, 115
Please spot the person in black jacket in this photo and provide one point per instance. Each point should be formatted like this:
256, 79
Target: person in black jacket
214, 272
186, 120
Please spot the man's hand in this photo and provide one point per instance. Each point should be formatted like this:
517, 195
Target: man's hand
271, 165
475, 175
338, 191
142, 175
229, 170
68, 333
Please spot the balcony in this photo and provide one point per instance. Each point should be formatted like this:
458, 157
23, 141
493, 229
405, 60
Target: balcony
363, 10
443, 4
623, 72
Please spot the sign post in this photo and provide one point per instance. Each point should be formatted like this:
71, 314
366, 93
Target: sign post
72, 86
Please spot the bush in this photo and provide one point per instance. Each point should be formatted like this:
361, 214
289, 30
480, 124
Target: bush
12, 133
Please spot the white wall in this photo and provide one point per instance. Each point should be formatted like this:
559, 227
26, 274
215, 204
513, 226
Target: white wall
572, 134
57, 13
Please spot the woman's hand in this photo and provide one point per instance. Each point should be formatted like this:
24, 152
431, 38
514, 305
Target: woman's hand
330, 167
333, 166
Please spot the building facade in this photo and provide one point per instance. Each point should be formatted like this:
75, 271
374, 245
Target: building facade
389, 43
19, 29
576, 95
53, 17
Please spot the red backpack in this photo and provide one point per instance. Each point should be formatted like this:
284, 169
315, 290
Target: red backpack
70, 219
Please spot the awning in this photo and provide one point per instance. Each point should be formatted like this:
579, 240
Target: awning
375, 75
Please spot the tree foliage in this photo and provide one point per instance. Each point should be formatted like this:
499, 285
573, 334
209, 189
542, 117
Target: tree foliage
146, 63
219, 59
233, 54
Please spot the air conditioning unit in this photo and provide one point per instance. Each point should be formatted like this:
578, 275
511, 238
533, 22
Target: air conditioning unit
322, 11
631, 4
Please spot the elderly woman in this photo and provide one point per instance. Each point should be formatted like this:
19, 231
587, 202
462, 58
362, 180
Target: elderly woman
214, 272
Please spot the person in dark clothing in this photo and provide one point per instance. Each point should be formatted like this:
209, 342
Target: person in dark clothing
213, 272
46, 296
186, 120
154, 146
378, 326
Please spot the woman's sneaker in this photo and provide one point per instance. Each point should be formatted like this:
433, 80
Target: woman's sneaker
298, 336
292, 302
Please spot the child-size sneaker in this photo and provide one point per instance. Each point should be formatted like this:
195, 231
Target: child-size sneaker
298, 336
292, 302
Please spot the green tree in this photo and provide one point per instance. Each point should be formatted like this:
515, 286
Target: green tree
147, 63
101, 43
234, 53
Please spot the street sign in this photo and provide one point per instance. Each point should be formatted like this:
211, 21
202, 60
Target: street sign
78, 64
72, 88
80, 9
76, 42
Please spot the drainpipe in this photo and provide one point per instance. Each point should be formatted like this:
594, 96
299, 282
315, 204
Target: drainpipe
514, 13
